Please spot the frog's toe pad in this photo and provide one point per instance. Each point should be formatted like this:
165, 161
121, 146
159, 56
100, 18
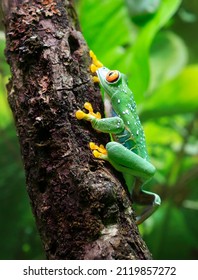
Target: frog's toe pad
93, 68
98, 151
80, 115
95, 62
95, 79
89, 108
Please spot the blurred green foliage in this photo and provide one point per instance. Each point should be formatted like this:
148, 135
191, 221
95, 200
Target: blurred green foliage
155, 45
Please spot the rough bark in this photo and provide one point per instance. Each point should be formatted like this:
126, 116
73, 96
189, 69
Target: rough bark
81, 208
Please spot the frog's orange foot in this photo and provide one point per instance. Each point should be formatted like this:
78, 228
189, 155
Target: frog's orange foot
90, 116
89, 107
96, 64
95, 79
98, 151
80, 115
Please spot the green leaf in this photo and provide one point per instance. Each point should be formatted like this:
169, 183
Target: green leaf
172, 229
142, 7
139, 65
177, 96
168, 57
105, 24
5, 112
4, 67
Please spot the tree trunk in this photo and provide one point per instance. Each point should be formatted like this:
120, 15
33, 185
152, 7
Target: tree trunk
81, 208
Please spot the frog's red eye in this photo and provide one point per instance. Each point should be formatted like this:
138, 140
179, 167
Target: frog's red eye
112, 76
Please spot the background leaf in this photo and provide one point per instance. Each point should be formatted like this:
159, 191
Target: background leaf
168, 57
177, 96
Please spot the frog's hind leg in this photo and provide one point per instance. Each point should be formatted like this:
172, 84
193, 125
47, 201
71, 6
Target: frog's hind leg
151, 200
133, 166
136, 172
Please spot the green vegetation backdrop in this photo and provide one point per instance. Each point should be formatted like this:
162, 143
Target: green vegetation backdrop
154, 42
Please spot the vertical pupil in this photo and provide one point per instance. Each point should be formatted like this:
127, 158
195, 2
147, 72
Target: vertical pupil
111, 73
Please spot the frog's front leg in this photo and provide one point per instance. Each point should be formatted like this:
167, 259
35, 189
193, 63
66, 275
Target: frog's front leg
136, 171
107, 125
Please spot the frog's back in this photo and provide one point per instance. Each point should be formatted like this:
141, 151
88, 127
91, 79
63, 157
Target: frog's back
132, 137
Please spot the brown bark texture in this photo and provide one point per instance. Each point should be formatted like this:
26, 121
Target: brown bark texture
81, 208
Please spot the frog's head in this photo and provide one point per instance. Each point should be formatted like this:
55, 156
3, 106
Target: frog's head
111, 80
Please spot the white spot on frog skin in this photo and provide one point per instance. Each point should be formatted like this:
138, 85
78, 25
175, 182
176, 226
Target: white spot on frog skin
131, 107
118, 101
137, 132
118, 125
125, 112
128, 122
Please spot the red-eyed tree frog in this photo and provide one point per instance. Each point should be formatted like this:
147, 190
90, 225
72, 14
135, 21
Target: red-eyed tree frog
127, 151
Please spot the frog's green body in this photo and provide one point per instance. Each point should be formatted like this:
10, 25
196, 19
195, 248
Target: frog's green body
122, 104
127, 150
